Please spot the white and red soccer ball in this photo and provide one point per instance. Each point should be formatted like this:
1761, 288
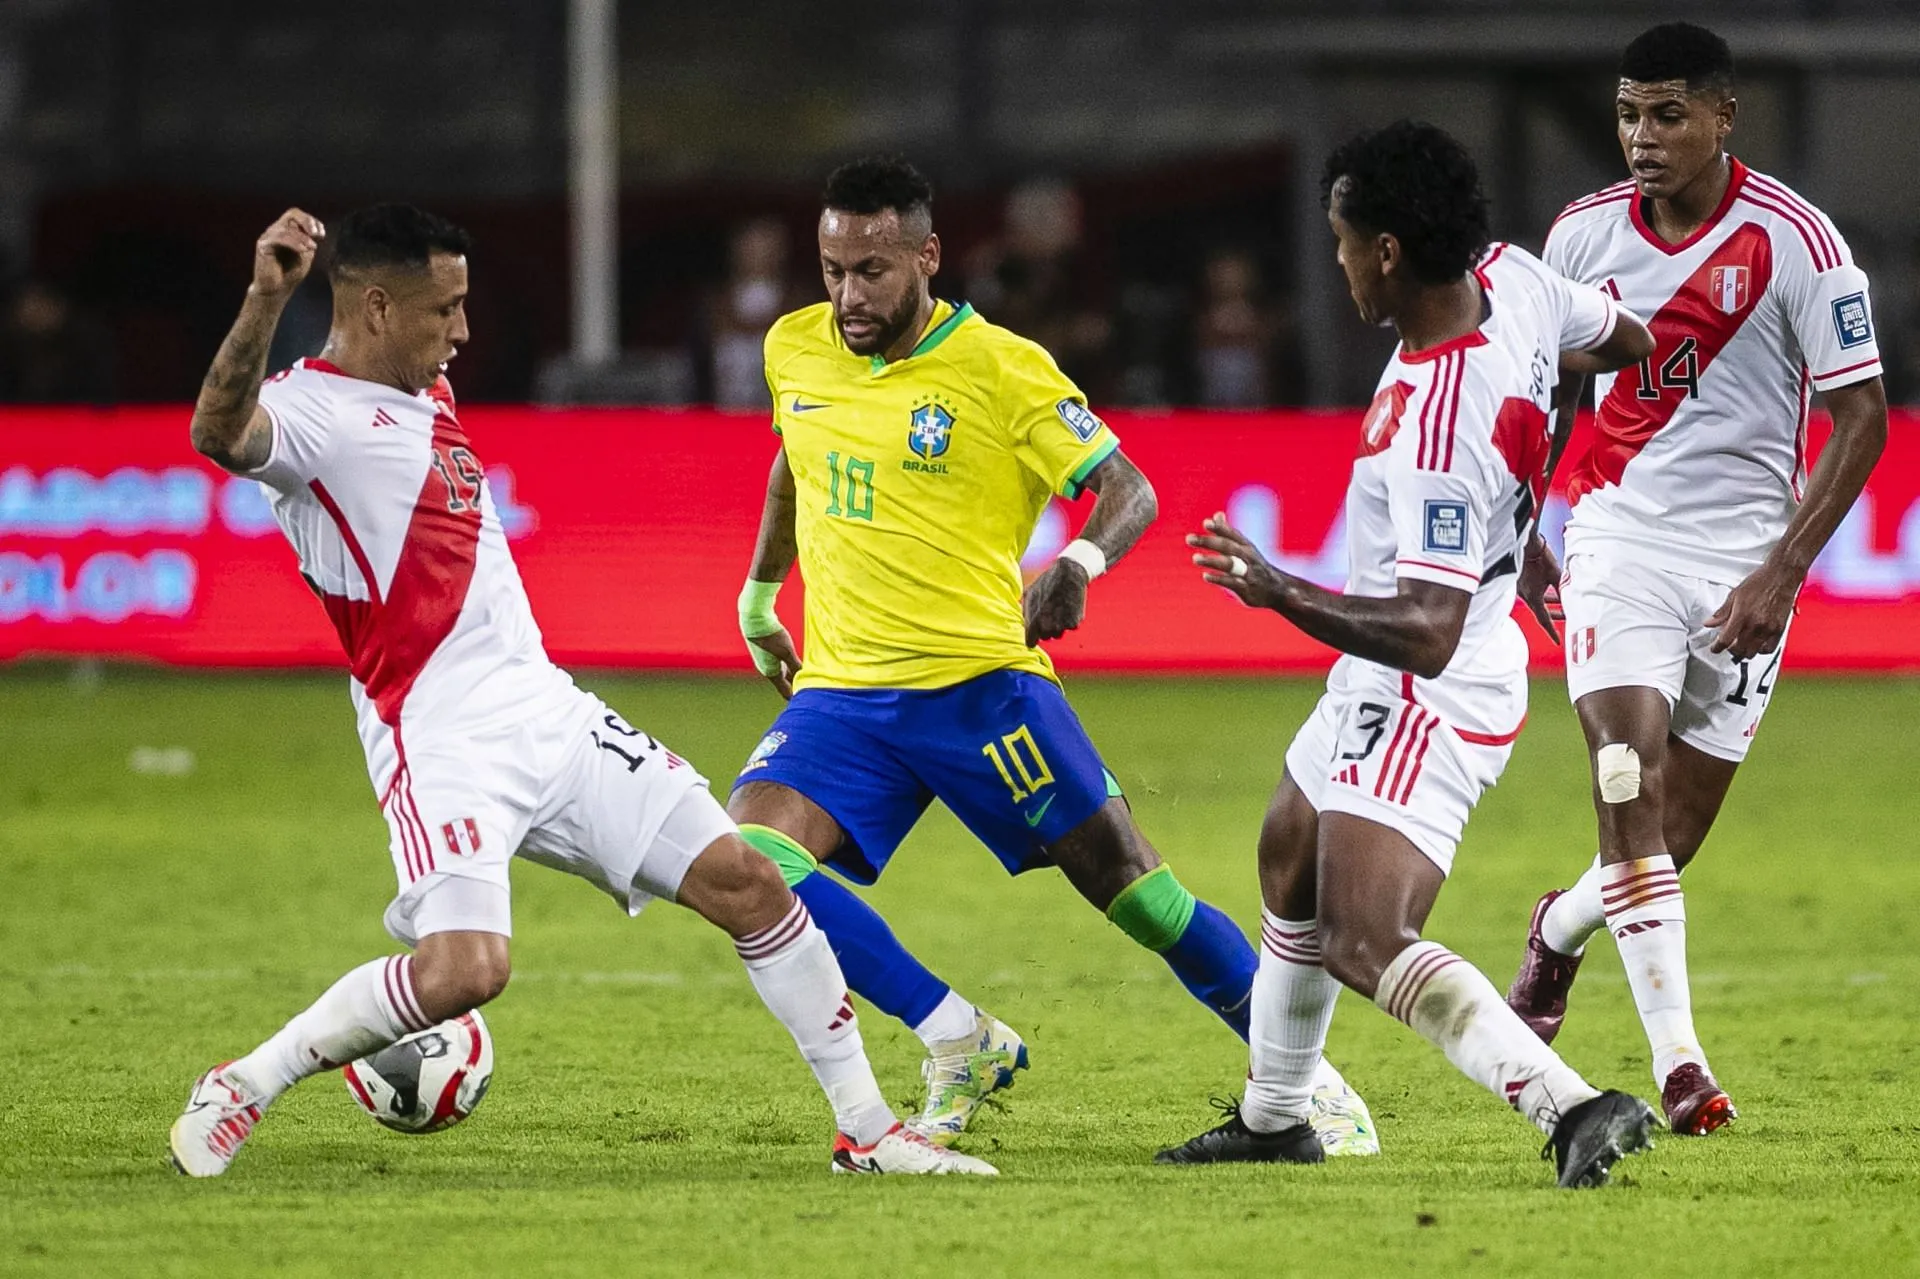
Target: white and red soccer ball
430, 1080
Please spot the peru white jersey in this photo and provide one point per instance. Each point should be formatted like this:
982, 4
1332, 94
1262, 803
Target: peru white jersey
388, 509
1451, 471
1700, 451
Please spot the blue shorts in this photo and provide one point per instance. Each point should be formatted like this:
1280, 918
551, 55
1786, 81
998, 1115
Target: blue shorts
1005, 752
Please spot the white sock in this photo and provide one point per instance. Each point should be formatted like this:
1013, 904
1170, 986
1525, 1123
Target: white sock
1648, 918
793, 969
1575, 915
1452, 1004
1326, 1076
952, 1018
1293, 999
361, 1013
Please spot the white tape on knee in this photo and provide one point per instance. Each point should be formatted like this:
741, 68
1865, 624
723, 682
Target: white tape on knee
1616, 767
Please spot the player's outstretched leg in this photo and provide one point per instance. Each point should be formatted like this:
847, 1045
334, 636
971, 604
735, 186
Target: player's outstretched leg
970, 1053
377, 1003
1293, 1093
1376, 890
793, 969
1634, 759
1114, 867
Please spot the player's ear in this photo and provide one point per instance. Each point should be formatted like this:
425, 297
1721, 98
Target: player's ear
376, 307
1387, 248
1724, 114
929, 258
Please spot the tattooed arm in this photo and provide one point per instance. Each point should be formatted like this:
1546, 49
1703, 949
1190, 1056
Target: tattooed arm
229, 426
1124, 505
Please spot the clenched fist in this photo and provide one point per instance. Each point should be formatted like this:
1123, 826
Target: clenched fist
283, 254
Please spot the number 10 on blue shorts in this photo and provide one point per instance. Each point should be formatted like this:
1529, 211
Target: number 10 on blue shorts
1004, 752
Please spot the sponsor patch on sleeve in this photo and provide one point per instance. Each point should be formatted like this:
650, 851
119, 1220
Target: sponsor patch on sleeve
1851, 320
1446, 527
1079, 419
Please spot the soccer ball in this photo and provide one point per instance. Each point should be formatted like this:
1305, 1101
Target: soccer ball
430, 1080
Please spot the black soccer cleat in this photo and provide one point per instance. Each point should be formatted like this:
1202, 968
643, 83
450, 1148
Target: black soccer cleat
1596, 1134
1235, 1143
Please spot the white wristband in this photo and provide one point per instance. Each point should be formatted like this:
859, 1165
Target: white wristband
1086, 555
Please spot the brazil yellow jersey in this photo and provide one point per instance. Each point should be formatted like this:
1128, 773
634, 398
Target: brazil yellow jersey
918, 485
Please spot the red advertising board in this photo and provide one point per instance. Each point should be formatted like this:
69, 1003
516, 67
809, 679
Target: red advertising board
632, 530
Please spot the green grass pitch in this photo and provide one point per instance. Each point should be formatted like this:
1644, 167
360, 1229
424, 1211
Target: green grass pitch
647, 1116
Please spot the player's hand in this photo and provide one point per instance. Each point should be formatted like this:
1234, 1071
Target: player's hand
1056, 602
1230, 560
775, 657
283, 254
1540, 585
1757, 611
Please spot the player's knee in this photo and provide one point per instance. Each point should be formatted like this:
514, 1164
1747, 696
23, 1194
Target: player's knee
455, 973
1355, 956
735, 887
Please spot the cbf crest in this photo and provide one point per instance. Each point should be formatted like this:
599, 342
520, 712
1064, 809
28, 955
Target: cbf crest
929, 430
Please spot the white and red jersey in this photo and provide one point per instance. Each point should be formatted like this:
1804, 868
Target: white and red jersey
388, 509
1451, 471
1700, 451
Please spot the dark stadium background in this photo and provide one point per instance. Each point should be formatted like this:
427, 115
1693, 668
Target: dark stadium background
142, 142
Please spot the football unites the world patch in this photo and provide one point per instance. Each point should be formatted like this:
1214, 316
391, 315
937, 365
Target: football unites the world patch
1446, 527
1852, 321
764, 751
1079, 419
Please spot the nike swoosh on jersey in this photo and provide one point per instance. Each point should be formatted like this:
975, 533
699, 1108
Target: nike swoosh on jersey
1039, 814
798, 407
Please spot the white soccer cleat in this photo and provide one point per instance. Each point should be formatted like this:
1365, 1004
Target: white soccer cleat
903, 1150
219, 1117
1343, 1123
961, 1072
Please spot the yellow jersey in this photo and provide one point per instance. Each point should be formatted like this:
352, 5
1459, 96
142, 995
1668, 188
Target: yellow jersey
918, 484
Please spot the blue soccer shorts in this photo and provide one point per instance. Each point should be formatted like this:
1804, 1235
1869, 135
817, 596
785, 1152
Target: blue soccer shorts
1004, 752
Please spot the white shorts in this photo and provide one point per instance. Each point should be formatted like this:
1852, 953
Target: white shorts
1633, 626
1395, 763
570, 785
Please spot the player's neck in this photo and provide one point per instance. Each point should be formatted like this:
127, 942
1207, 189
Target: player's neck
910, 340
1678, 216
362, 364
1436, 315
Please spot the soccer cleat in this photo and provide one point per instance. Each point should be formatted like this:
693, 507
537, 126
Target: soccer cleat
1234, 1142
216, 1123
1343, 1123
960, 1073
1595, 1135
903, 1150
1695, 1105
1539, 991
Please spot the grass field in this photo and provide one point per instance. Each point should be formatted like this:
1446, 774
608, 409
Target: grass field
648, 1117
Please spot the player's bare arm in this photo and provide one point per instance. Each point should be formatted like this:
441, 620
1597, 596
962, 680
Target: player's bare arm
229, 426
1416, 630
774, 552
1124, 505
1756, 613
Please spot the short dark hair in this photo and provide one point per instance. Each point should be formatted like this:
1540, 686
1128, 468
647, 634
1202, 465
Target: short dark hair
1416, 183
1679, 51
393, 235
878, 182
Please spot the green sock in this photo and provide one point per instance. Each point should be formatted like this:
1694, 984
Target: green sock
1154, 909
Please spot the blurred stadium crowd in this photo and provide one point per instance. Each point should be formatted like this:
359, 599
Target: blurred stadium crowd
1129, 183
